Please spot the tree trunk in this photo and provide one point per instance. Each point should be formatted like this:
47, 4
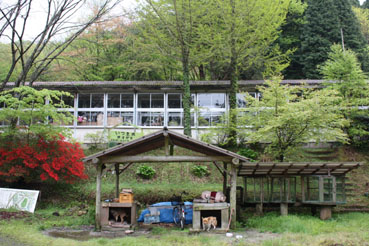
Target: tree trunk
234, 86
186, 92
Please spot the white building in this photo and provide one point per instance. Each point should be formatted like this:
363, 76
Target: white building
149, 105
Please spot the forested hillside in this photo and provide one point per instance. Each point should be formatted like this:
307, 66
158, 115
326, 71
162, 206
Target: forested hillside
201, 40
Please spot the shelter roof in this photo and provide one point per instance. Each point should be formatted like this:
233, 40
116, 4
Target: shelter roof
296, 169
158, 85
157, 140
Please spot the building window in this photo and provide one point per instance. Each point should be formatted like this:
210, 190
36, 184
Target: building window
211, 100
174, 101
90, 118
209, 118
120, 100
175, 119
153, 100
120, 118
150, 118
90, 100
241, 99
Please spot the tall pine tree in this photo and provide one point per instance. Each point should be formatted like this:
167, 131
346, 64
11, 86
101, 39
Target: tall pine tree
320, 31
324, 21
352, 35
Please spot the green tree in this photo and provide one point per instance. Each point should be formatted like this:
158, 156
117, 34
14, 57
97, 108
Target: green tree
171, 26
319, 33
237, 45
325, 21
290, 38
362, 15
343, 67
365, 5
288, 116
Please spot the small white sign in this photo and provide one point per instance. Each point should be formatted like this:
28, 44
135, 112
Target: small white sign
24, 200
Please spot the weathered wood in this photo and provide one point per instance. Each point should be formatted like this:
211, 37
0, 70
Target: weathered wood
125, 167
235, 161
303, 189
233, 195
117, 180
98, 197
308, 188
124, 159
259, 208
166, 144
284, 209
334, 189
321, 189
225, 166
325, 212
95, 160
244, 190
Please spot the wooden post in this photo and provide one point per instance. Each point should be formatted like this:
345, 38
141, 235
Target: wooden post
271, 189
225, 165
334, 190
302, 189
117, 180
321, 189
98, 196
325, 212
262, 192
284, 209
233, 195
244, 190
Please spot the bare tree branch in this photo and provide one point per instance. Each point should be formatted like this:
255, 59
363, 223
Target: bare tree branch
30, 56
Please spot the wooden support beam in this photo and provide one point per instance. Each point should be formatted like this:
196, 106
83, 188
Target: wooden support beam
244, 190
124, 159
303, 189
125, 167
284, 209
233, 195
166, 144
117, 180
321, 189
225, 166
98, 197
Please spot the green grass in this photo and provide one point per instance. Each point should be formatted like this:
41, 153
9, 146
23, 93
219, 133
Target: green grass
345, 229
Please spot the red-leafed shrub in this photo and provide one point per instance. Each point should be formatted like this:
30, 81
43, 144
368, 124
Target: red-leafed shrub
55, 159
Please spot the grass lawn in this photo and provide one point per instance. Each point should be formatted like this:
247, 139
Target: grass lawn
343, 229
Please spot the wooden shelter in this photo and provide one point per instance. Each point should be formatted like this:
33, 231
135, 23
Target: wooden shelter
134, 152
321, 184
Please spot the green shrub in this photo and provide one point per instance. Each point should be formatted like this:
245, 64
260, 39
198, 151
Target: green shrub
249, 153
145, 172
200, 171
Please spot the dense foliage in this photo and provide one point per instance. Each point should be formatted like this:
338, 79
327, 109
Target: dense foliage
32, 145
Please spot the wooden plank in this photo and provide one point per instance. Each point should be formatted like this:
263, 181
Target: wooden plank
117, 180
125, 167
334, 189
98, 197
225, 166
244, 190
233, 195
302, 189
321, 189
137, 159
166, 144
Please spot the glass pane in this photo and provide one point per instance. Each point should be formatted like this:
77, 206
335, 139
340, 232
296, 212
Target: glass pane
192, 100
127, 118
84, 100
328, 189
204, 100
143, 119
174, 101
144, 100
114, 119
241, 100
90, 119
216, 118
127, 100
204, 119
157, 100
312, 188
69, 101
113, 100
218, 100
157, 119
175, 119
97, 101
